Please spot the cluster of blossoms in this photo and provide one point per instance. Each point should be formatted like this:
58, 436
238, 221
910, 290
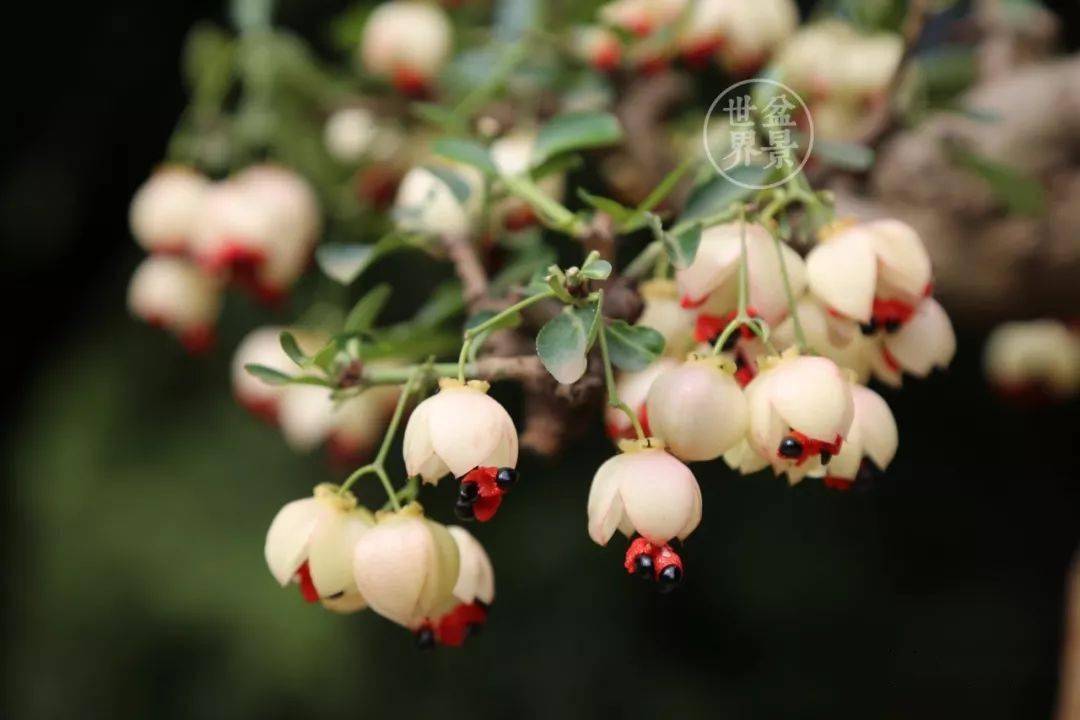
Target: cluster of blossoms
434, 580
255, 229
646, 35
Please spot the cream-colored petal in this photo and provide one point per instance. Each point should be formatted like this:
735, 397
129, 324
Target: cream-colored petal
350, 602
420, 457
845, 464
745, 459
766, 427
330, 553
306, 416
698, 410
716, 260
812, 396
694, 517
468, 428
289, 535
767, 295
604, 507
903, 261
476, 577
633, 389
842, 271
925, 341
437, 597
659, 494
391, 564
877, 426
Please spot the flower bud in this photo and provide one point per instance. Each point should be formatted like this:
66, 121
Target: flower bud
633, 389
406, 567
924, 342
870, 444
406, 43
458, 429
164, 209
306, 416
646, 491
262, 346
311, 541
711, 282
426, 204
697, 409
874, 272
172, 294
1033, 358
800, 413
349, 134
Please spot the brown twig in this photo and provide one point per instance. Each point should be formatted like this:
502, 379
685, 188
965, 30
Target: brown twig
474, 279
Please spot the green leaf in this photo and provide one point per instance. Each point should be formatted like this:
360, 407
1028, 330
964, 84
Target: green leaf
444, 302
513, 18
596, 268
561, 345
433, 114
363, 313
325, 357
208, 61
268, 375
590, 319
719, 194
618, 212
292, 349
453, 181
468, 152
845, 155
344, 262
347, 28
576, 131
682, 247
632, 347
1020, 193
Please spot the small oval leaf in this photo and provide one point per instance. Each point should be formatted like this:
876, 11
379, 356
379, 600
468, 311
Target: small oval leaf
632, 347
561, 345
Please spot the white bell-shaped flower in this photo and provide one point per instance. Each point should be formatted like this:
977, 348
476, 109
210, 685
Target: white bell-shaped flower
311, 541
476, 576
458, 429
306, 416
711, 281
1032, 357
832, 61
262, 346
349, 133
597, 46
926, 341
705, 30
834, 337
406, 567
173, 294
754, 29
359, 422
644, 490
426, 204
165, 207
633, 389
697, 409
870, 444
874, 272
663, 313
407, 43
800, 413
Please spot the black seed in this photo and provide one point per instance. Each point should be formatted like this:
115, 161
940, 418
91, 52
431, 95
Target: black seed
826, 456
425, 638
505, 478
868, 328
644, 567
730, 343
464, 510
468, 491
335, 596
670, 578
473, 629
892, 326
790, 447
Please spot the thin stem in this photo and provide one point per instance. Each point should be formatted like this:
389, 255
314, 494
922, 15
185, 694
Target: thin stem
800, 337
609, 375
472, 333
552, 212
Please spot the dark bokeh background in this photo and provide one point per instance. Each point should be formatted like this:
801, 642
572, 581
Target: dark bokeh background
137, 497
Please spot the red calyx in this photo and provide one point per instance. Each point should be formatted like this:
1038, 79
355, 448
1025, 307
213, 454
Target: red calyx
891, 311
628, 433
689, 303
837, 483
198, 340
454, 627
489, 494
519, 218
811, 447
409, 82
709, 327
307, 587
607, 58
890, 360
265, 409
700, 53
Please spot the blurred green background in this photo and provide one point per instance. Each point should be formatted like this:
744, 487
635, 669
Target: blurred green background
138, 495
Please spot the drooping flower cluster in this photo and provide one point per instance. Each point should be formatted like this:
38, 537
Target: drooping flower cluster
255, 229
433, 580
406, 43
